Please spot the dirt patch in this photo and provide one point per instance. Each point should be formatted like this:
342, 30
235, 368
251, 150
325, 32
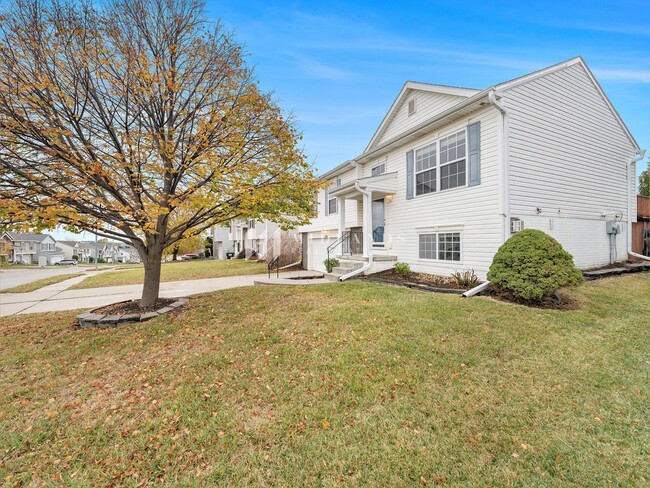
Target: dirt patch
133, 307
558, 301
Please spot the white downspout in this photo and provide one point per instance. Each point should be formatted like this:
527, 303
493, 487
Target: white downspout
365, 268
628, 231
505, 165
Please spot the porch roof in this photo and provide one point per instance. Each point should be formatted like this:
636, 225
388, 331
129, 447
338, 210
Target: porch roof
381, 185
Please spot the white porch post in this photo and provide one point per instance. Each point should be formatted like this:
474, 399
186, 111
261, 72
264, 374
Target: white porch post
367, 224
340, 202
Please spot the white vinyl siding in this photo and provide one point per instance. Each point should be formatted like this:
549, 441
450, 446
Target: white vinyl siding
474, 209
568, 157
427, 106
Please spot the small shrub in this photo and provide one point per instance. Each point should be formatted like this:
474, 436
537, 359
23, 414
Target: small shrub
466, 279
402, 269
331, 263
101, 260
532, 266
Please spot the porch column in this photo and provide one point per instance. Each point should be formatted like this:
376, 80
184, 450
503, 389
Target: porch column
340, 203
367, 224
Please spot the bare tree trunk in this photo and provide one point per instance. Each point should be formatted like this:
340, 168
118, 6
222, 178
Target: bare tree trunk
151, 288
175, 254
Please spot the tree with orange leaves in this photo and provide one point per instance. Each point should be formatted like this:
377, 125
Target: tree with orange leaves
139, 120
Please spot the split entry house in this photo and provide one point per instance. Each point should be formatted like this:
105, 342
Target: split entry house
451, 173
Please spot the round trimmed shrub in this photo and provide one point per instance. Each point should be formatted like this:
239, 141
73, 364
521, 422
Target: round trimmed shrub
532, 266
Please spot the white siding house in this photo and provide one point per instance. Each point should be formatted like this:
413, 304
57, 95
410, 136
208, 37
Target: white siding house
451, 172
262, 237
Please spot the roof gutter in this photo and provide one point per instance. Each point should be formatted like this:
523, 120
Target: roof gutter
504, 165
628, 235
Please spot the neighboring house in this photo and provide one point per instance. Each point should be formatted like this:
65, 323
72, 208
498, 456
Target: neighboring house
88, 251
452, 172
126, 254
5, 250
641, 228
38, 249
108, 251
69, 248
261, 236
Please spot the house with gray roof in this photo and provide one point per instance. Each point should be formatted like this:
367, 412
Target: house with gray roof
38, 249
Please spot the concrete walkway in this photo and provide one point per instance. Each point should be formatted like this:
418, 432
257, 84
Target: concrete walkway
57, 297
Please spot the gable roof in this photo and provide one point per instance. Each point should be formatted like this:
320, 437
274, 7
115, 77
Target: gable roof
22, 237
403, 95
68, 243
474, 100
570, 62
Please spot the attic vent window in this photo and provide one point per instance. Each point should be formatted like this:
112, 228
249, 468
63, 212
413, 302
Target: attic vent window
411, 106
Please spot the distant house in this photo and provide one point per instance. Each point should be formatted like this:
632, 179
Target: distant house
451, 173
38, 249
87, 251
262, 237
69, 248
126, 254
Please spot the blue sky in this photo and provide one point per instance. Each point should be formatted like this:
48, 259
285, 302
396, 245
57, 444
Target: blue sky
337, 66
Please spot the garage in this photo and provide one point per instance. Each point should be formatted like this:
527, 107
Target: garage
317, 245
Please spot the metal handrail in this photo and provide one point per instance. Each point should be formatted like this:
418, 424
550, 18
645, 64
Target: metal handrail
345, 241
275, 262
344, 236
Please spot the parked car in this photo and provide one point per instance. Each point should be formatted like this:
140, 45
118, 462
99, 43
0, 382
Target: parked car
66, 262
187, 257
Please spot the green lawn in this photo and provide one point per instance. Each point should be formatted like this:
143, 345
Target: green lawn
35, 285
353, 384
177, 271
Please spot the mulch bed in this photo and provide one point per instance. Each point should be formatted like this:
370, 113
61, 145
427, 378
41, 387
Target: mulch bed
133, 307
419, 281
559, 301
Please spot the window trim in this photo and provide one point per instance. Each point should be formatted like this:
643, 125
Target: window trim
377, 166
431, 168
438, 165
437, 250
336, 206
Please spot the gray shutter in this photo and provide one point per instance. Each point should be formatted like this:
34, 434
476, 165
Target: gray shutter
474, 153
327, 201
410, 180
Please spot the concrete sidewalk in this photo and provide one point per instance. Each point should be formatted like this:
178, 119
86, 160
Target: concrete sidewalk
57, 297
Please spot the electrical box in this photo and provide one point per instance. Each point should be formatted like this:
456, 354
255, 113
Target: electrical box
613, 227
516, 225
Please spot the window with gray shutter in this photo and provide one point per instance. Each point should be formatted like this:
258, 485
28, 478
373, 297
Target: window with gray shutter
410, 179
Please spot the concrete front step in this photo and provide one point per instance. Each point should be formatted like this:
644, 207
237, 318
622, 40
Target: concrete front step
360, 259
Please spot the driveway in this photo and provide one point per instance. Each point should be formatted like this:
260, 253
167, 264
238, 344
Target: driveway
57, 297
14, 277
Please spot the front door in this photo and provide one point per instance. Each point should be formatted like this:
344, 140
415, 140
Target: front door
378, 222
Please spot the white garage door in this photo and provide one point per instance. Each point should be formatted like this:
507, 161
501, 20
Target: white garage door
56, 259
318, 252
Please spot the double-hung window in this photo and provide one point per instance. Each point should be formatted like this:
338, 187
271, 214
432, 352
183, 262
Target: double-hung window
425, 169
441, 165
452, 161
444, 246
331, 205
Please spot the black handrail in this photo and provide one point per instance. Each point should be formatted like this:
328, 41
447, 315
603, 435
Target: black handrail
345, 241
275, 262
344, 236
